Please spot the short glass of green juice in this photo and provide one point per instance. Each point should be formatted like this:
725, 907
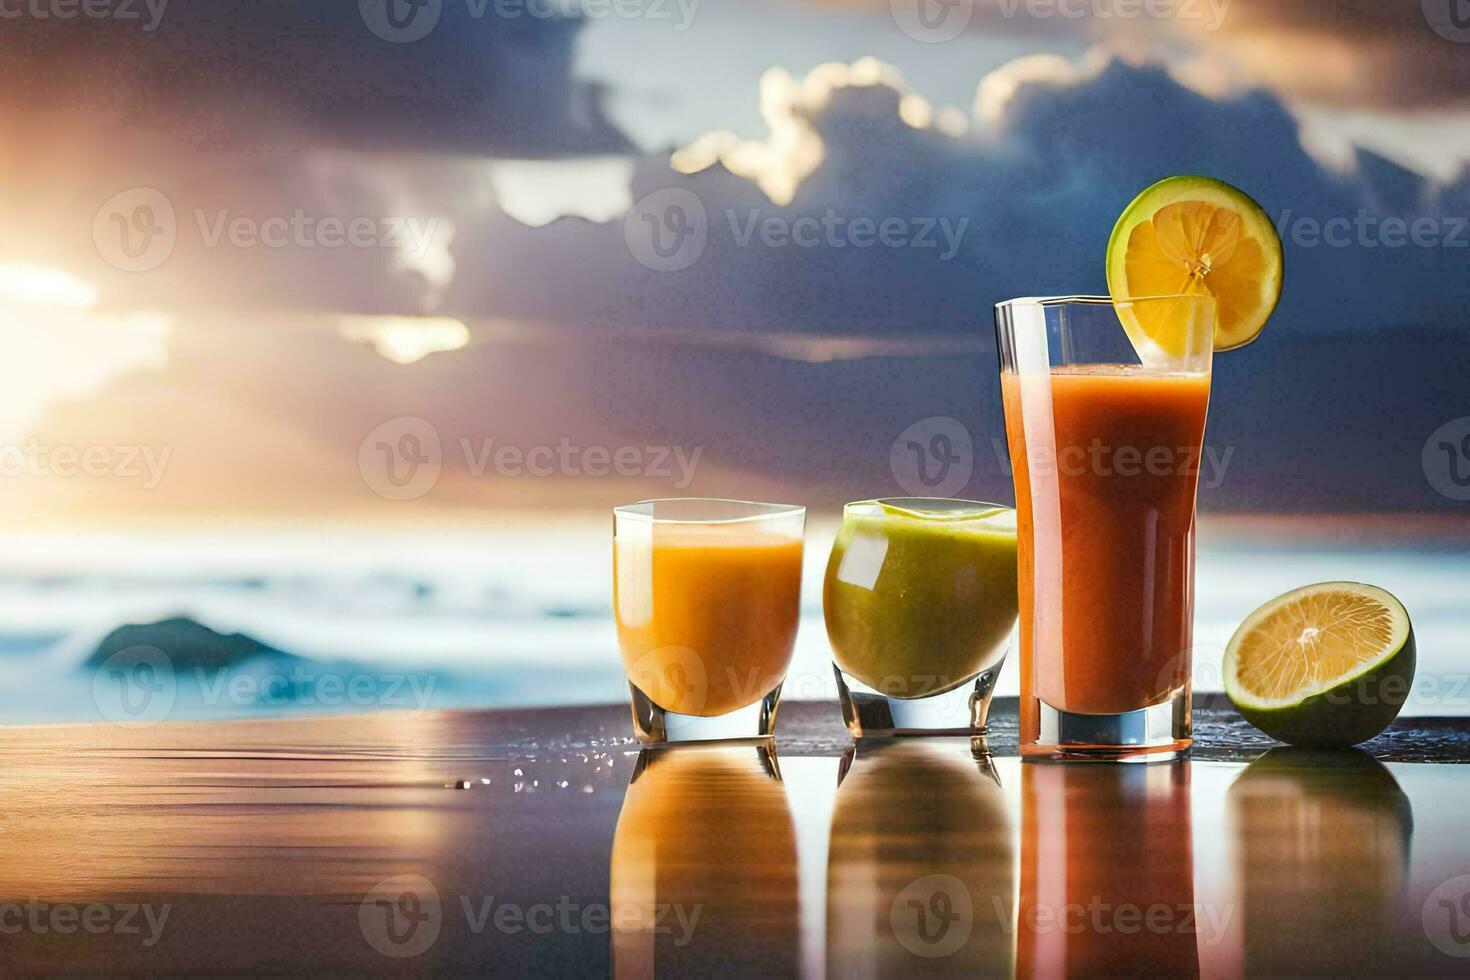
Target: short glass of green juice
920, 602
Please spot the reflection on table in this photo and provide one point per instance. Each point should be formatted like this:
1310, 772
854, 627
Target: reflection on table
704, 866
1299, 864
920, 875
1322, 851
1107, 871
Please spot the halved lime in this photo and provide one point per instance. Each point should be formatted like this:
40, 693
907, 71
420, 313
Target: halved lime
1195, 236
1322, 666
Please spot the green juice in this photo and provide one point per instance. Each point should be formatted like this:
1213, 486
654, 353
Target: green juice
920, 596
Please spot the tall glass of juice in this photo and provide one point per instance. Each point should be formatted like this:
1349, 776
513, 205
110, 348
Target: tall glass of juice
706, 594
1105, 435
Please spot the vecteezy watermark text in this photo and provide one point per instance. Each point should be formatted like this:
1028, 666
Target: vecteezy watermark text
402, 459
118, 10
136, 230
668, 230
406, 21
38, 460
835, 230
1099, 916
935, 21
40, 918
1366, 230
137, 687
566, 458
1100, 459
934, 916
402, 916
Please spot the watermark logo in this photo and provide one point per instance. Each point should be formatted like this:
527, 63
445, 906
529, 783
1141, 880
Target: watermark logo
835, 230
402, 458
307, 687
140, 686
1450, 19
406, 21
667, 230
1201, 667
135, 230
935, 21
401, 916
1446, 917
135, 687
1207, 921
1446, 459
401, 21
1210, 14
672, 675
933, 916
934, 457
932, 21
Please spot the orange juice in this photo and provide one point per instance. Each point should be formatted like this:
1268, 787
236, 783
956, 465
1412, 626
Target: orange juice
706, 613
1106, 464
703, 870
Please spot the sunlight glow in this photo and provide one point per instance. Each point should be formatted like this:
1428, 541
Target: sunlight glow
39, 285
406, 339
57, 345
538, 192
55, 351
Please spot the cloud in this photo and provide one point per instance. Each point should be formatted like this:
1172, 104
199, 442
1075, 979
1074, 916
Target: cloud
258, 139
1018, 198
792, 338
1347, 53
288, 74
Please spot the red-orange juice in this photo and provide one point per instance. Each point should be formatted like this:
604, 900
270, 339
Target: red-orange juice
1107, 873
1106, 462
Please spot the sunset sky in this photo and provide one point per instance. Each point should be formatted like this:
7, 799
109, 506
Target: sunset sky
331, 230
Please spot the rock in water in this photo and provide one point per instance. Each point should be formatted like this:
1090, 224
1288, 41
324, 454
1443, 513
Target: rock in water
185, 642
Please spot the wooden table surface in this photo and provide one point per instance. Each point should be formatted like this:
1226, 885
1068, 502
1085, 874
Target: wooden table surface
508, 842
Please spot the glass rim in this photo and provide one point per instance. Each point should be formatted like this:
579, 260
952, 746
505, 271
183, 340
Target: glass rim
642, 510
910, 505
1085, 299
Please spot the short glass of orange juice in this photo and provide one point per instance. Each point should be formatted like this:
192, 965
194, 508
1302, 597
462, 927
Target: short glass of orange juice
706, 593
1105, 425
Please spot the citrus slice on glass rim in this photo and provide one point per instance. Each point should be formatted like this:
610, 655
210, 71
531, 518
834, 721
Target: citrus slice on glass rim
1194, 236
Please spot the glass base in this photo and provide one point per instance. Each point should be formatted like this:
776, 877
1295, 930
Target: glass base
655, 726
1153, 734
960, 711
